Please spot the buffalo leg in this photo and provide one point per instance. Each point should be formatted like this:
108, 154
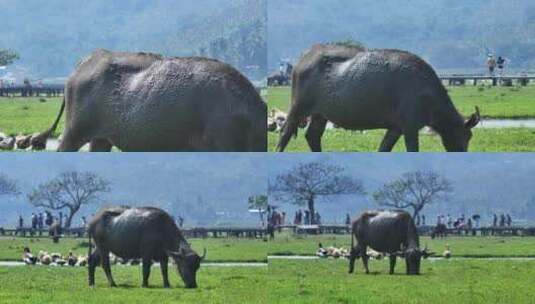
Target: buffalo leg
389, 141
353, 255
107, 268
392, 263
315, 132
164, 262
93, 261
70, 143
147, 263
411, 141
100, 145
365, 259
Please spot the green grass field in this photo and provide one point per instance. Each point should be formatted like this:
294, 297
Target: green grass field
41, 284
446, 281
495, 102
218, 250
484, 140
475, 280
29, 115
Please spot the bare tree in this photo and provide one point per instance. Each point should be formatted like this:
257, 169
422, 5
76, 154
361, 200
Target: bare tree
7, 57
413, 190
308, 181
8, 186
260, 203
70, 190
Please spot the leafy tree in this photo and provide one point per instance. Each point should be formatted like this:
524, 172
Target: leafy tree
7, 57
70, 190
303, 184
260, 203
413, 190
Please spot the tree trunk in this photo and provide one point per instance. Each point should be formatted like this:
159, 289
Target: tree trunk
68, 222
312, 216
416, 212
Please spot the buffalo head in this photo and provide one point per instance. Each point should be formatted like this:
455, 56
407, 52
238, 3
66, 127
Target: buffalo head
413, 257
187, 262
458, 138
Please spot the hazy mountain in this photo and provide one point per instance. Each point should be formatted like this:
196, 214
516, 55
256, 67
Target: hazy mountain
221, 183
450, 34
52, 36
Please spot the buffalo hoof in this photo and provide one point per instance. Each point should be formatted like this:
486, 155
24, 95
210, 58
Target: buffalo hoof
167, 286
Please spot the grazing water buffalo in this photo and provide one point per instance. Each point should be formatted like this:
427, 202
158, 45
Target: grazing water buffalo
146, 233
361, 89
145, 102
391, 232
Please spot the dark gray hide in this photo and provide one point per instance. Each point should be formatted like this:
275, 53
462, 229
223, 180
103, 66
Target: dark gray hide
391, 232
361, 89
145, 102
146, 233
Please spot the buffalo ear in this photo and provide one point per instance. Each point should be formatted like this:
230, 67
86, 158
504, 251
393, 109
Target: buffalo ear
474, 119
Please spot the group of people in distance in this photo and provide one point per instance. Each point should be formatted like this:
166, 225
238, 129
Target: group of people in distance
493, 63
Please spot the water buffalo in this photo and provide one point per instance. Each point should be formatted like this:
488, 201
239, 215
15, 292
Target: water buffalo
361, 89
146, 233
145, 102
391, 232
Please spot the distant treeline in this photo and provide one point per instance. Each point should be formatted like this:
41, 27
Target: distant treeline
53, 36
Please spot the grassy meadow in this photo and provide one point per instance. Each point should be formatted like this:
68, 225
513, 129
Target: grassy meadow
441, 281
40, 284
471, 279
484, 140
29, 115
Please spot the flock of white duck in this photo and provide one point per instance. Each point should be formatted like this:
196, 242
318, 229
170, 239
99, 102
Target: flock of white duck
341, 252
57, 259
